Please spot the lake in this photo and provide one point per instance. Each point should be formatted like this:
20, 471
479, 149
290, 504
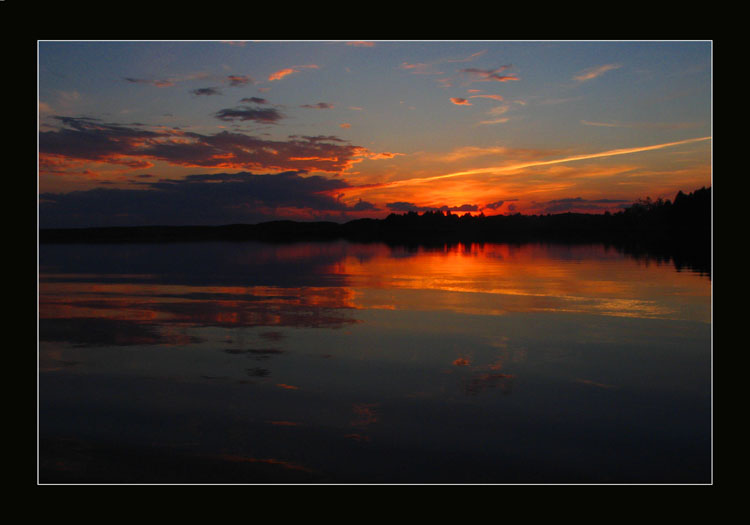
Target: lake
343, 363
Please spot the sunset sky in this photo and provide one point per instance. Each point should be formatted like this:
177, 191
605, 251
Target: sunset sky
218, 132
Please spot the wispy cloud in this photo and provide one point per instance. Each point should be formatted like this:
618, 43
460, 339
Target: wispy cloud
151, 82
495, 114
468, 152
239, 80
501, 120
493, 97
278, 75
530, 164
319, 105
489, 75
594, 72
166, 82
427, 68
360, 43
643, 125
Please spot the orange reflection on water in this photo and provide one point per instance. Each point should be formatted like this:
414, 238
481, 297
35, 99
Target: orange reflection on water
502, 278
194, 305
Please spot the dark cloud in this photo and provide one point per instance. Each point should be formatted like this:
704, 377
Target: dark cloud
494, 205
364, 206
254, 100
92, 140
319, 105
487, 75
265, 115
318, 138
207, 91
410, 206
220, 198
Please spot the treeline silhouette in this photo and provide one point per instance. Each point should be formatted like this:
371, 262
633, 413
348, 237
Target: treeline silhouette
679, 230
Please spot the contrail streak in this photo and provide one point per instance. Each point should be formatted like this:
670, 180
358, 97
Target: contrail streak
513, 167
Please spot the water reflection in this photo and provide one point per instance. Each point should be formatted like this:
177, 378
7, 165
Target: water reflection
371, 363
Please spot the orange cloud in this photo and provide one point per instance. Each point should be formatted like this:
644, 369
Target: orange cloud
595, 72
494, 97
460, 101
278, 75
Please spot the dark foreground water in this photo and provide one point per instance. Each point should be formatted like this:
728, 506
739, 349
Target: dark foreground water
364, 363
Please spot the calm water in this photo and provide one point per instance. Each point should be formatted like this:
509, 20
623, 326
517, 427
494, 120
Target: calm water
364, 363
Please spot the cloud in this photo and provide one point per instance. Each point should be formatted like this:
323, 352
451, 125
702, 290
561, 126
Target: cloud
466, 152
278, 75
422, 68
494, 205
239, 80
85, 139
489, 75
533, 163
157, 83
261, 115
499, 110
254, 100
595, 72
319, 105
361, 44
402, 206
502, 120
207, 91
460, 101
364, 206
167, 82
493, 97
643, 125
219, 198
496, 112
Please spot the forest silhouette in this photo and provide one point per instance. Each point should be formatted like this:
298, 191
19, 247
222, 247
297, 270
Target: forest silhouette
678, 230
